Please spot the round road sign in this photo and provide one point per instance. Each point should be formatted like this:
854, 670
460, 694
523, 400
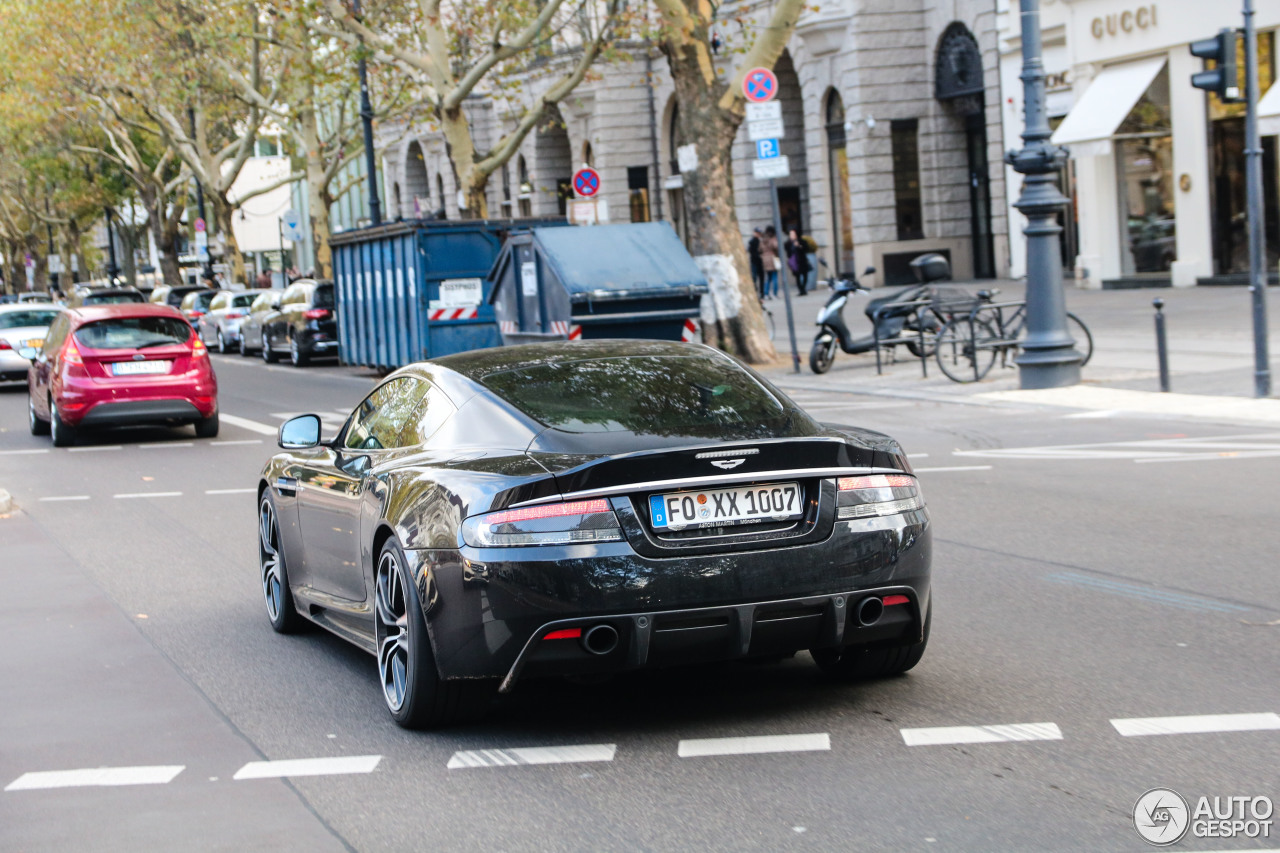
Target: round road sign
586, 182
760, 85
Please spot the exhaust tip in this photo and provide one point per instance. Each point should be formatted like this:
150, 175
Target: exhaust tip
869, 611
600, 639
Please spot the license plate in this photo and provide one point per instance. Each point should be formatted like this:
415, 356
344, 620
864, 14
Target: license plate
34, 343
133, 368
716, 507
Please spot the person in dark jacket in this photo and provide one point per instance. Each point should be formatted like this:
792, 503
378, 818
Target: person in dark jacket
798, 260
757, 263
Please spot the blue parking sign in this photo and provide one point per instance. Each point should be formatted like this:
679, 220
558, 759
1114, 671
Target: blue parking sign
767, 149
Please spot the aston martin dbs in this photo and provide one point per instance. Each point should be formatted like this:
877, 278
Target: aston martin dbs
591, 507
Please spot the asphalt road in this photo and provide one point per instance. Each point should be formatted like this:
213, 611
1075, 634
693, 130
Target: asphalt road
1130, 575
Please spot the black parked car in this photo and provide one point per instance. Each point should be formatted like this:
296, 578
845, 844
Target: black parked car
591, 507
305, 325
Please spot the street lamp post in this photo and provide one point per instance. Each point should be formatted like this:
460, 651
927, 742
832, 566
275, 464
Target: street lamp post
366, 119
1257, 214
112, 269
1048, 358
208, 261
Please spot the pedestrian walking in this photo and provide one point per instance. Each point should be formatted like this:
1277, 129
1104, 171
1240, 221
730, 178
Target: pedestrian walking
798, 260
811, 251
757, 263
769, 259
264, 280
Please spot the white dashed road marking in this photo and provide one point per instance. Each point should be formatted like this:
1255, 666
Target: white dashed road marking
308, 767
229, 491
517, 756
235, 443
23, 452
953, 468
981, 734
127, 496
1191, 725
167, 444
65, 498
96, 777
245, 423
754, 745
96, 449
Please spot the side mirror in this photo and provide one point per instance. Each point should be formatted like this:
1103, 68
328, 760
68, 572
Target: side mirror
29, 353
300, 432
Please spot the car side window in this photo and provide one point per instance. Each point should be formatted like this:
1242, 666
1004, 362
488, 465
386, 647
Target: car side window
379, 422
57, 334
430, 415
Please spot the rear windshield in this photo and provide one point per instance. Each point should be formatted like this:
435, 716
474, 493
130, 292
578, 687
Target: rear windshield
23, 319
323, 296
112, 298
243, 300
133, 332
649, 394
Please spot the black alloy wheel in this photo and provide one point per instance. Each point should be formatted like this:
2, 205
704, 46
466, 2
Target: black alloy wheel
415, 694
823, 353
857, 663
62, 434
267, 355
37, 425
275, 578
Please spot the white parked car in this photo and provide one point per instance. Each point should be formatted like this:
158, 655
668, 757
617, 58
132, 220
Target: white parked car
22, 325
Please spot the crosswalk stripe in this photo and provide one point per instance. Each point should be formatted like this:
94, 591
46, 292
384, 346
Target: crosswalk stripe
981, 734
701, 747
96, 777
294, 767
516, 756
1196, 724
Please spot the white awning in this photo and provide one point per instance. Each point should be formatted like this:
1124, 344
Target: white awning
1269, 112
1088, 128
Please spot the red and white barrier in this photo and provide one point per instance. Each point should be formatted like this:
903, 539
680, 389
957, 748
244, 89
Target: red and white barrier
453, 314
690, 332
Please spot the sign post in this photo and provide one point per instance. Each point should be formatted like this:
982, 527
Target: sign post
764, 127
586, 185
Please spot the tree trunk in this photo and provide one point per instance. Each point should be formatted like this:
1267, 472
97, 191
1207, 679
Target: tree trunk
318, 200
165, 227
462, 154
70, 239
222, 212
732, 316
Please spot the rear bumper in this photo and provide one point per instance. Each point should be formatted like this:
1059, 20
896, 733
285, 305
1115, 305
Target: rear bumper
488, 612
142, 412
12, 366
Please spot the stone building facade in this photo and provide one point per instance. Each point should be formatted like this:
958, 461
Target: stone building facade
892, 127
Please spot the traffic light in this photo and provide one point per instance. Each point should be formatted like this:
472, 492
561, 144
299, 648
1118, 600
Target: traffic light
1220, 79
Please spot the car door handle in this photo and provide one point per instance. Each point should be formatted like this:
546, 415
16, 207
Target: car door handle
287, 485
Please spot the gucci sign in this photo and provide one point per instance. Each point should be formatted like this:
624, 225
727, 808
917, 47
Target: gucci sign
1142, 18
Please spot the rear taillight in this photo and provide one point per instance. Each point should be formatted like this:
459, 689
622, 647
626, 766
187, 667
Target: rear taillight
198, 349
875, 495
548, 524
71, 355
5, 344
316, 313
235, 315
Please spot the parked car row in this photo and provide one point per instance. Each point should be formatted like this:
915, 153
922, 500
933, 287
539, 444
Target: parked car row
301, 320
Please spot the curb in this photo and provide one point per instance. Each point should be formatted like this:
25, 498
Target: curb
6, 502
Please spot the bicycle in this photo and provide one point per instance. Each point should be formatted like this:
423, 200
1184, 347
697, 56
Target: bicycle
967, 346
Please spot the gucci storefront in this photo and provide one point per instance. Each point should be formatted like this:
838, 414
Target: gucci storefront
1157, 166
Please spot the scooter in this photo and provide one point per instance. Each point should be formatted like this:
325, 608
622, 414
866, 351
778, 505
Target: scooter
833, 332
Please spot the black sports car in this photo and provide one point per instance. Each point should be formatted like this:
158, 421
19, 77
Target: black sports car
588, 507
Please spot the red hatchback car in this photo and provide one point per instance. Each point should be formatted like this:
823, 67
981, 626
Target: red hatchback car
121, 365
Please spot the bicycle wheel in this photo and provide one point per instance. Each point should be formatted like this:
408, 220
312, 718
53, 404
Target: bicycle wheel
965, 351
1084, 340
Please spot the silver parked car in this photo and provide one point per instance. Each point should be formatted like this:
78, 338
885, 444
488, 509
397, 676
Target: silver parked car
220, 325
250, 333
22, 325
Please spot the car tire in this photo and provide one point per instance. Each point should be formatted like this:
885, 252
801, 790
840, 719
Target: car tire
63, 435
273, 573
857, 663
412, 688
244, 349
222, 343
267, 355
207, 427
296, 356
38, 425
822, 353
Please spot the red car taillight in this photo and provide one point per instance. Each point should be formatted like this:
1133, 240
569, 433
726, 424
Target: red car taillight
316, 313
875, 495
548, 524
5, 344
236, 315
198, 349
71, 355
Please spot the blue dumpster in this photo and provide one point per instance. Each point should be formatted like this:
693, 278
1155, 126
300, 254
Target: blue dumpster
603, 281
409, 291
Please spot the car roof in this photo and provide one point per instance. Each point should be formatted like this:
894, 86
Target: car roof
28, 306
477, 364
94, 313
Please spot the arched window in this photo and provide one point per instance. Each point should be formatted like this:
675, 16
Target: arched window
588, 157
444, 205
838, 175
525, 187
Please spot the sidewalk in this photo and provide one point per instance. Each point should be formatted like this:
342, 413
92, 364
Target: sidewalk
1210, 357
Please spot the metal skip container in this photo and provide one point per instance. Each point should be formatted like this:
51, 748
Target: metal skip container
605, 281
414, 290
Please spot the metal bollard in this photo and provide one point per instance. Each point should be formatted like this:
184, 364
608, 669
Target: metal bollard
1162, 344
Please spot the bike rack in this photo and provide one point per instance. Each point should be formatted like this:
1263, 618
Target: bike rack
917, 306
